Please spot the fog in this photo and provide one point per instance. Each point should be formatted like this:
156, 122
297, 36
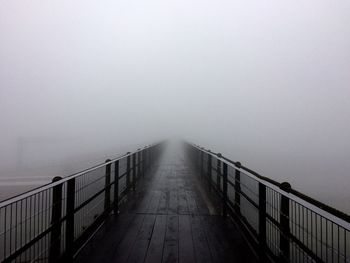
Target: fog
263, 82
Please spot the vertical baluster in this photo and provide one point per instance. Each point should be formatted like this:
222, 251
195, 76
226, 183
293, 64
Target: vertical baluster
116, 187
209, 171
150, 156
128, 171
143, 162
284, 221
218, 173
138, 164
224, 190
133, 171
70, 219
147, 158
107, 202
201, 164
238, 188
55, 243
262, 222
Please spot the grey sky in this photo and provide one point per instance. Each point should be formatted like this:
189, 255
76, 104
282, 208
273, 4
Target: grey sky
266, 82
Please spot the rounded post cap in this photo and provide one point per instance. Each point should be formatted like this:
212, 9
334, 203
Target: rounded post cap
56, 179
285, 186
238, 164
108, 160
219, 155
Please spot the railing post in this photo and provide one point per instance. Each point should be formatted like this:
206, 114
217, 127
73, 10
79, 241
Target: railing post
143, 162
146, 159
107, 203
224, 190
202, 164
218, 173
150, 156
238, 188
138, 164
116, 187
70, 219
209, 171
284, 220
128, 171
55, 246
262, 222
198, 159
133, 171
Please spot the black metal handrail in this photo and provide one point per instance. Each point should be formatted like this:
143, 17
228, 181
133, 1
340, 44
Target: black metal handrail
52, 222
295, 192
282, 224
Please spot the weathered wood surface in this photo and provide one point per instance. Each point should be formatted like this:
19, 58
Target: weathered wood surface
168, 219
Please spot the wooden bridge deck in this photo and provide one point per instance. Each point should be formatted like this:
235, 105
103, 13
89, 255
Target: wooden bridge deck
168, 219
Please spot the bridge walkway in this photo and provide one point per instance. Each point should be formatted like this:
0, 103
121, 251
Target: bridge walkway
169, 218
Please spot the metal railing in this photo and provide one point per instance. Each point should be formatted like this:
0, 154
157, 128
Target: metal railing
282, 224
51, 223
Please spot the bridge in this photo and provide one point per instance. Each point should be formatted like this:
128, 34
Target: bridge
170, 203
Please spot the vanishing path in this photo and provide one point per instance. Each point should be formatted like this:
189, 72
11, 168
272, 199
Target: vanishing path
168, 219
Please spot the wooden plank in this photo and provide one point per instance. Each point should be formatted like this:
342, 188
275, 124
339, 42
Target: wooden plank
154, 202
218, 247
186, 247
103, 246
163, 202
124, 249
201, 247
171, 244
143, 238
144, 194
192, 206
146, 229
155, 250
173, 201
183, 206
233, 247
142, 204
202, 207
